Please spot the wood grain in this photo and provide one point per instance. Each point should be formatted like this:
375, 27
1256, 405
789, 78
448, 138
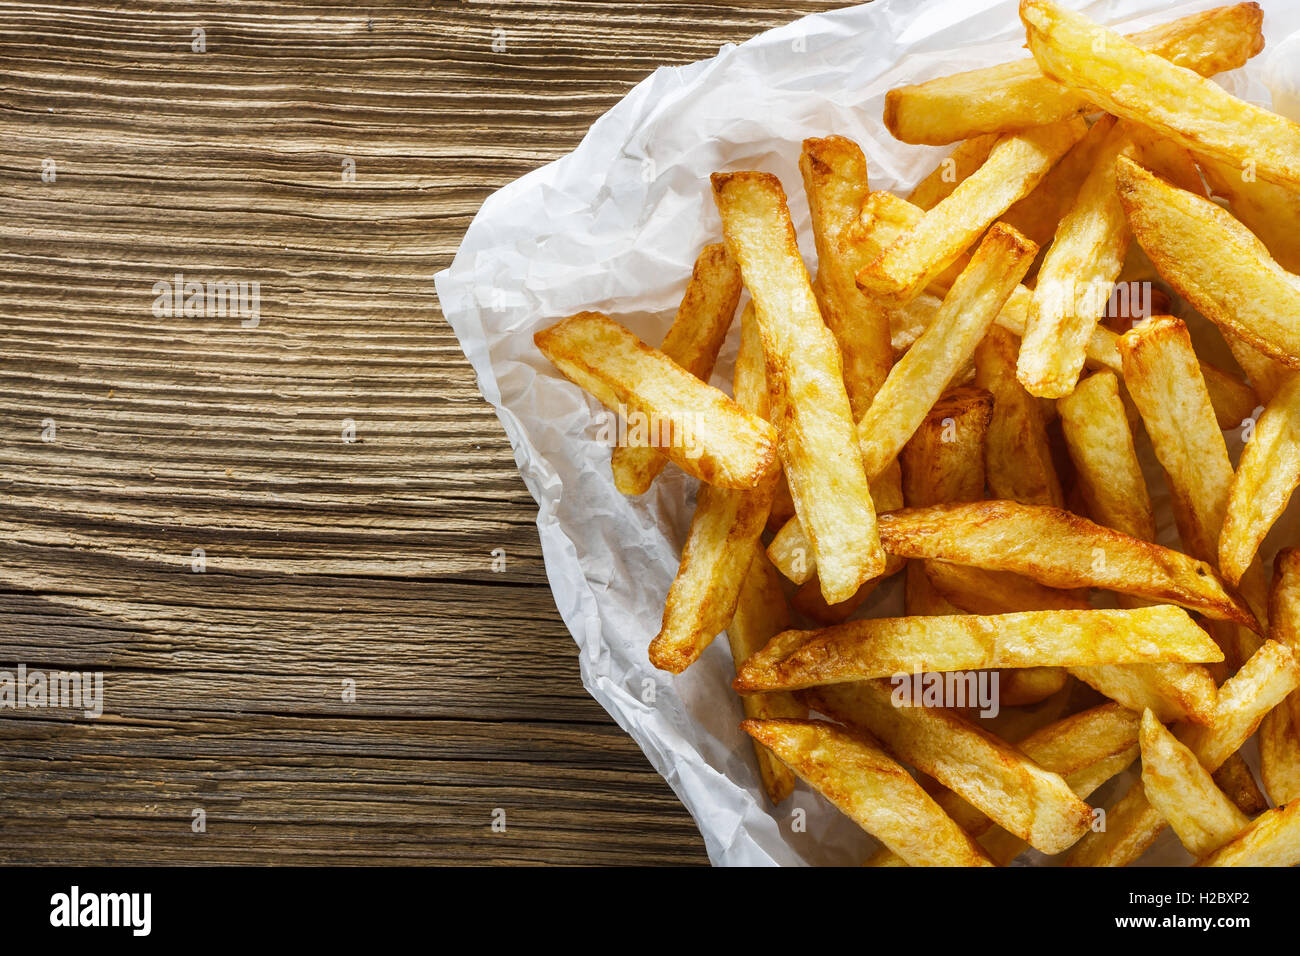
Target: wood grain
326, 560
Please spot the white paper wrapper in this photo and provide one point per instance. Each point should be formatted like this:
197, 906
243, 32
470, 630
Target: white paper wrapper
615, 226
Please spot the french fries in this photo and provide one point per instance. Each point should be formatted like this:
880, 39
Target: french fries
1018, 457
1237, 781
826, 478
1076, 277
1100, 443
944, 459
881, 647
1016, 96
1000, 781
835, 180
926, 370
1272, 839
1134, 824
692, 342
1061, 550
1271, 212
1214, 262
1014, 167
1131, 83
1184, 792
871, 789
724, 533
708, 435
761, 613
981, 591
1159, 364
1268, 472
1040, 213
1279, 734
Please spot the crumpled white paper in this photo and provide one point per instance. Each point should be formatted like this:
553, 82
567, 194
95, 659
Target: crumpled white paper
615, 226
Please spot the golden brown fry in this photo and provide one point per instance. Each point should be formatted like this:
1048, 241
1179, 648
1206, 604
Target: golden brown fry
1214, 262
992, 776
944, 459
882, 647
1183, 791
760, 614
869, 787
1268, 472
1100, 442
812, 413
1271, 212
702, 599
1171, 691
1266, 375
709, 436
1014, 167
1162, 377
808, 601
1272, 839
1131, 83
1133, 824
1237, 781
835, 181
1014, 96
693, 340
1017, 453
1279, 734
981, 591
951, 171
926, 370
1023, 686
1059, 549
1077, 276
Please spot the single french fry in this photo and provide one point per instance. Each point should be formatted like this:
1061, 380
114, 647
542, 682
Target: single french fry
1234, 400
944, 459
1133, 824
871, 789
1272, 839
1076, 278
1266, 374
709, 436
1267, 474
882, 647
1023, 686
1061, 550
981, 591
1162, 377
1017, 453
1172, 691
835, 180
1279, 734
761, 613
1184, 792
1015, 96
1000, 781
693, 340
1176, 102
813, 418
1014, 167
1100, 443
1214, 262
1237, 782
703, 595
951, 171
1271, 212
929, 366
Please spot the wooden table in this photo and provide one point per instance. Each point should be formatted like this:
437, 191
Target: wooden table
329, 457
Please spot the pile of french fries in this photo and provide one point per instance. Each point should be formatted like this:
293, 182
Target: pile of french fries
953, 400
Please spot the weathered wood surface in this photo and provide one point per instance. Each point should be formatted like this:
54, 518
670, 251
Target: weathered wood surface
326, 560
